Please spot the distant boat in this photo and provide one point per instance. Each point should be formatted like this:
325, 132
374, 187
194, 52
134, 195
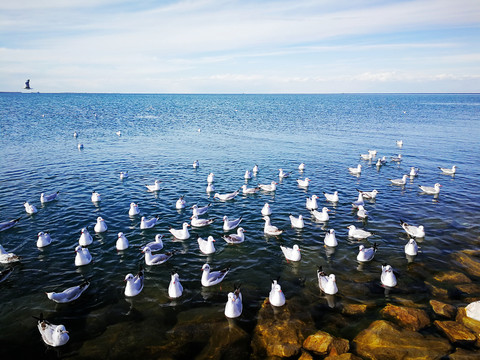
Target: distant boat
27, 85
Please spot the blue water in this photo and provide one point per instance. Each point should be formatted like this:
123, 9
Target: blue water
161, 137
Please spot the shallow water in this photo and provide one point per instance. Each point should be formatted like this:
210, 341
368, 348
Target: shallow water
161, 137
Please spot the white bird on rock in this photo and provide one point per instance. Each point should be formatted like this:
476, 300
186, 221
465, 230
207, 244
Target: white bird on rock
70, 294
237, 238
269, 229
292, 254
181, 234
134, 284
206, 246
276, 296
231, 224
83, 256
210, 278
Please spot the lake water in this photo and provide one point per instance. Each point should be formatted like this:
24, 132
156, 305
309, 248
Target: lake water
161, 136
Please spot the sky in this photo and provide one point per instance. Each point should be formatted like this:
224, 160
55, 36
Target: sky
244, 46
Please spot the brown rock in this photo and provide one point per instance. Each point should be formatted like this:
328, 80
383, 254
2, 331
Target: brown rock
305, 356
409, 318
443, 309
452, 277
354, 309
469, 289
339, 346
462, 354
468, 260
383, 340
437, 291
456, 332
472, 324
345, 356
319, 343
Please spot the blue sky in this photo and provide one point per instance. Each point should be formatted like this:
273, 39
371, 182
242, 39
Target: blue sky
229, 46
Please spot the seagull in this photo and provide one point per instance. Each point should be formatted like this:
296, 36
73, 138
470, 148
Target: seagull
156, 259
303, 183
44, 239
331, 197
53, 335
155, 186
119, 133
231, 224
448, 171
196, 222
381, 161
237, 238
276, 296
330, 238
8, 224
248, 175
326, 283
413, 171
6, 257
134, 210
210, 178
292, 254
411, 248
80, 146
247, 190
175, 288
399, 143
397, 158
70, 294
297, 222
4, 274
373, 153
101, 225
210, 188
311, 203
255, 169
123, 175
301, 167
134, 284
122, 242
366, 157
412, 230
198, 211
196, 164
266, 210
321, 216
358, 233
206, 246
355, 170
269, 229
371, 195
282, 174
431, 190
47, 198
155, 245
30, 209
400, 182
210, 278
359, 201
148, 224
234, 307
226, 197
366, 254
268, 187
182, 234
96, 197
85, 238
75, 134
180, 204
388, 277
83, 256
362, 213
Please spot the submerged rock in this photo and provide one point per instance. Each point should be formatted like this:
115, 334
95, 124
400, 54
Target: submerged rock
456, 332
469, 261
436, 291
443, 309
452, 277
354, 309
462, 354
406, 317
322, 343
471, 324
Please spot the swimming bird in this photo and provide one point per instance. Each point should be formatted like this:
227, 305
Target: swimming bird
301, 167
70, 294
399, 143
96, 197
134, 210
431, 190
311, 203
155, 245
123, 175
330, 238
155, 186
412, 230
399, 182
134, 284
292, 254
196, 164
175, 288
268, 187
247, 190
6, 257
358, 233
371, 195
326, 283
101, 225
269, 229
83, 256
43, 239
122, 242
8, 224
53, 335
297, 222
80, 146
210, 278
276, 296
282, 174
231, 224
397, 158
119, 133
237, 238
75, 134
200, 210
448, 171
226, 197
355, 170
266, 210
148, 224
29, 208
181, 203
331, 197
373, 153
181, 234
210, 188
85, 238
255, 169
366, 254
156, 259
413, 171
206, 246
44, 198
388, 277
321, 216
199, 222
234, 307
4, 274
303, 183
366, 157
361, 212
210, 178
411, 248
248, 175
359, 200
381, 161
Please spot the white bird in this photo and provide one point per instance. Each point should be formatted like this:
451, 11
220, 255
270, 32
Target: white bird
388, 277
96, 197
44, 198
366, 254
297, 222
8, 224
269, 229
148, 224
413, 171
399, 182
210, 278
4, 274
234, 307
210, 178
397, 158
122, 242
134, 210
181, 203
266, 210
369, 194
255, 169
292, 254
303, 183
448, 171
226, 197
248, 175
6, 257
399, 143
80, 146
331, 197
206, 246
119, 133
123, 175
156, 245
247, 190
431, 190
326, 283
155, 259
381, 161
231, 224
311, 203
101, 225
85, 238
210, 188
155, 186
373, 153
237, 238
181, 234
83, 256
175, 288
282, 174
358, 233
359, 200
198, 211
411, 248
355, 170
330, 238
70, 294
134, 284
412, 230
53, 335
362, 213
268, 187
196, 164
75, 134
199, 222
30, 209
366, 157
276, 296
301, 167
43, 239
321, 216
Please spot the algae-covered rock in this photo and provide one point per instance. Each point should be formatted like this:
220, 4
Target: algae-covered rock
469, 261
462, 354
319, 343
406, 317
345, 356
456, 332
354, 309
453, 277
443, 309
472, 324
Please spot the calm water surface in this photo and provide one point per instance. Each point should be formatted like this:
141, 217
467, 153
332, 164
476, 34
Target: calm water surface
161, 137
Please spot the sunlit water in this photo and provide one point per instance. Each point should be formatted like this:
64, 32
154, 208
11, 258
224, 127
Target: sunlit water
161, 136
